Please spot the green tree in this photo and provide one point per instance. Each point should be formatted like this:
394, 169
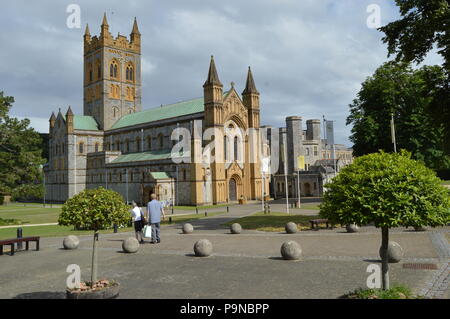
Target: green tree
20, 154
406, 93
388, 190
424, 25
94, 209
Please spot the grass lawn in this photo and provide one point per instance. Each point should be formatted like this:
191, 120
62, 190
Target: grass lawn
59, 231
310, 206
30, 214
199, 207
273, 222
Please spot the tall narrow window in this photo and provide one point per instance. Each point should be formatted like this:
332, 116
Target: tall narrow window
81, 148
225, 153
149, 143
113, 70
138, 144
129, 73
160, 141
236, 141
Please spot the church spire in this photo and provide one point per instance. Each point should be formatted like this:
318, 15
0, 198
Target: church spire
135, 27
69, 111
135, 35
104, 22
250, 87
213, 77
86, 32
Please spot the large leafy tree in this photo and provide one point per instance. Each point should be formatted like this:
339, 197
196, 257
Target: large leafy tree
424, 25
396, 88
20, 154
94, 209
388, 190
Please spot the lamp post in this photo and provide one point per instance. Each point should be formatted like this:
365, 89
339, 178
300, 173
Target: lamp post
43, 174
126, 177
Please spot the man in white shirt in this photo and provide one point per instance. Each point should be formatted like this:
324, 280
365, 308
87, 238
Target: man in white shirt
155, 210
137, 215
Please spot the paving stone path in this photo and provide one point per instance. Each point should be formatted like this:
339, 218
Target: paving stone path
247, 265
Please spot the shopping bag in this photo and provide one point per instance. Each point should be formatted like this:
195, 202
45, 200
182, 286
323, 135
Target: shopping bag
148, 231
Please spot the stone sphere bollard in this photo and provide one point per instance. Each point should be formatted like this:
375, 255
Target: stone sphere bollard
291, 228
352, 228
130, 245
291, 250
203, 248
188, 228
395, 252
236, 228
71, 242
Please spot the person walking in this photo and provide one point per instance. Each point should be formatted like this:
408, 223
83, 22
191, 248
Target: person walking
138, 219
155, 209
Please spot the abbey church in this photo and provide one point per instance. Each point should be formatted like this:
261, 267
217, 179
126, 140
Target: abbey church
119, 145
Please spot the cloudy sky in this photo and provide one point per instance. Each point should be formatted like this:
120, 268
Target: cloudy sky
308, 57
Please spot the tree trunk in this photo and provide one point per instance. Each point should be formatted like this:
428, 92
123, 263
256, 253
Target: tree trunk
384, 257
94, 259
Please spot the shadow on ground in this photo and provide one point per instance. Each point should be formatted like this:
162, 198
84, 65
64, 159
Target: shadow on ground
42, 295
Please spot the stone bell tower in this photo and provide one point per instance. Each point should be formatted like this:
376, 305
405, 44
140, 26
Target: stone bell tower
112, 75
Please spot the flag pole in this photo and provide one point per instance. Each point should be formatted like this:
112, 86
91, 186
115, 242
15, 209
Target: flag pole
393, 133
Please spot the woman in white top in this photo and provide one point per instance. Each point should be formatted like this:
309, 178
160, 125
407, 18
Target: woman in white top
138, 215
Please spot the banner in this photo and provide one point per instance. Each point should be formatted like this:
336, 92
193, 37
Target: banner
301, 163
330, 132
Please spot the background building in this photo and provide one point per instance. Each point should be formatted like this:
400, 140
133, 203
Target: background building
320, 164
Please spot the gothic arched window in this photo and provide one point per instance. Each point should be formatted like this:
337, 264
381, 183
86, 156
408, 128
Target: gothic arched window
113, 70
129, 73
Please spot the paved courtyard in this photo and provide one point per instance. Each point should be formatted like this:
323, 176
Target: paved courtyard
242, 266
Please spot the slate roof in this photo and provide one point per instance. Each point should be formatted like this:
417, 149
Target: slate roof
147, 156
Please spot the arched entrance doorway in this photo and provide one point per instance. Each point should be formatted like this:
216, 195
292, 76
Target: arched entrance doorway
307, 189
147, 191
232, 189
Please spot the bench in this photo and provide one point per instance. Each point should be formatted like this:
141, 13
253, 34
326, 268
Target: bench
316, 222
12, 241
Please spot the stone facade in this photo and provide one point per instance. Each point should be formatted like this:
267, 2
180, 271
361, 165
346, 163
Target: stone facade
117, 145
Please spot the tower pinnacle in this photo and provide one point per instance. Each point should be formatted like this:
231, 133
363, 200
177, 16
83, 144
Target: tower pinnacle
213, 77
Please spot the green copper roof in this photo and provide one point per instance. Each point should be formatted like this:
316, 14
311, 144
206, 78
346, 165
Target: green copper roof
146, 156
84, 122
162, 112
159, 175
